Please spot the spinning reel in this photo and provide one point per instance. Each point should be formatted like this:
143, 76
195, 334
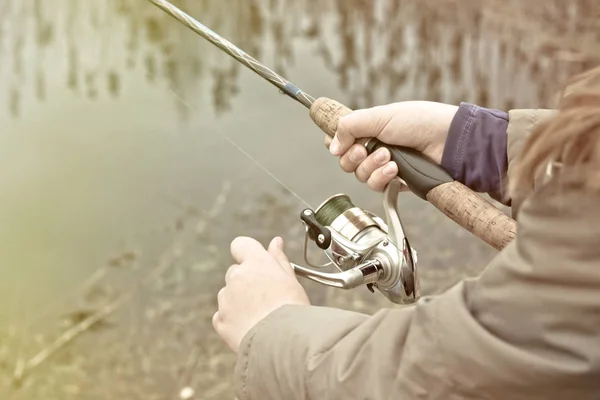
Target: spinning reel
364, 249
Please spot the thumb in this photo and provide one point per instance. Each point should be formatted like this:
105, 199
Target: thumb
358, 124
276, 250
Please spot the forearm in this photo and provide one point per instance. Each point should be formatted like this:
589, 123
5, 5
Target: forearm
317, 352
274, 361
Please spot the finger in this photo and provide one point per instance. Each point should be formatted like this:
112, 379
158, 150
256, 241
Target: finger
353, 157
327, 141
244, 247
276, 249
359, 124
220, 297
216, 320
231, 271
376, 160
382, 176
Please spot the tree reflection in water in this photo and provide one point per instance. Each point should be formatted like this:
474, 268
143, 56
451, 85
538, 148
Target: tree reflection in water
380, 51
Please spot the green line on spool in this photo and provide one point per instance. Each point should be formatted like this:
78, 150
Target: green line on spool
333, 208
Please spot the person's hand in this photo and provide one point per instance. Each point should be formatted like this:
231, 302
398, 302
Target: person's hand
422, 125
262, 281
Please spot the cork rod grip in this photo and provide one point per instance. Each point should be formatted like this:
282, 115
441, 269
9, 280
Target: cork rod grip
474, 213
429, 181
326, 113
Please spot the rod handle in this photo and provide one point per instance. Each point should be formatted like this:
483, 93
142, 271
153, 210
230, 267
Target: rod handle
430, 181
474, 213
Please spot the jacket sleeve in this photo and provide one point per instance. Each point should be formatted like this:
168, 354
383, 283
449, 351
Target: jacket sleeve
521, 124
526, 328
483, 143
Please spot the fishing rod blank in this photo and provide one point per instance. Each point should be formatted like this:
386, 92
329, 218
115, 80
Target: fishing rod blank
284, 85
425, 178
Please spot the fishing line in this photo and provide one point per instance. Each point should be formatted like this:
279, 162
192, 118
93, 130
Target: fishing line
241, 150
286, 87
333, 208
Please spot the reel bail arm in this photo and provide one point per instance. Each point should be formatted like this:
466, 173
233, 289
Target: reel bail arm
363, 247
366, 273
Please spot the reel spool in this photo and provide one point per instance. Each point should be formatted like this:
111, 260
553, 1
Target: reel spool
365, 249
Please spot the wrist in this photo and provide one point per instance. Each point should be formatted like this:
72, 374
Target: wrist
440, 127
434, 122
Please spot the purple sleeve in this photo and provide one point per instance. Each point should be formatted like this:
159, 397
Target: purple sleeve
475, 150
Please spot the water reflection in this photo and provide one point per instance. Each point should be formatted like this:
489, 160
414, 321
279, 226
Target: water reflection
376, 49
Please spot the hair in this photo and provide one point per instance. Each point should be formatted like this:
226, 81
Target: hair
571, 139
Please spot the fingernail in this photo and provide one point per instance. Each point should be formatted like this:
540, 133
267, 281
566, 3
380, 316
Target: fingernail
356, 156
380, 156
334, 147
390, 169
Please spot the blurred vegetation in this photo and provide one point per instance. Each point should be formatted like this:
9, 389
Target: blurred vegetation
380, 51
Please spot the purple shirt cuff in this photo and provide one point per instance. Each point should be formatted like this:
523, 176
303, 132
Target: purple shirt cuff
475, 150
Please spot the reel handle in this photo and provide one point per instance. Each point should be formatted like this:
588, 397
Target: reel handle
362, 274
430, 182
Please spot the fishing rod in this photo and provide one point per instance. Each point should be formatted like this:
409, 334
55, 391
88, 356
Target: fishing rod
364, 248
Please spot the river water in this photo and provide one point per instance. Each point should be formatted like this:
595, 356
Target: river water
133, 152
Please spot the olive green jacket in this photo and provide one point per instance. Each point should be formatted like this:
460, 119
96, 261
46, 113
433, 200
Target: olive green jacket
527, 328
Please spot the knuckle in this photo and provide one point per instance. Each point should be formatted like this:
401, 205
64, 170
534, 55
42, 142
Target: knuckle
231, 273
216, 321
361, 176
365, 169
221, 296
358, 152
346, 169
375, 184
381, 156
346, 165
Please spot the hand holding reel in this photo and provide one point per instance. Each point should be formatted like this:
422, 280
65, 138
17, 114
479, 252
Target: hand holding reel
364, 248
